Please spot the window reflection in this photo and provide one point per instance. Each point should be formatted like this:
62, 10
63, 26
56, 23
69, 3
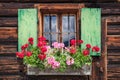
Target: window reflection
46, 23
65, 39
65, 23
53, 23
51, 28
72, 23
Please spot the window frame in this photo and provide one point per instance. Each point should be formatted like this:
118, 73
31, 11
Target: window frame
59, 8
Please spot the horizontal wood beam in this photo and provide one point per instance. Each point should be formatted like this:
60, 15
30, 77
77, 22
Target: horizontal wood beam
52, 1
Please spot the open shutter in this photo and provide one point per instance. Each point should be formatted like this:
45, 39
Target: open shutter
27, 26
91, 27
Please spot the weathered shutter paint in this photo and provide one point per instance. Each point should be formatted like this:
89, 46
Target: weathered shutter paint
27, 26
91, 28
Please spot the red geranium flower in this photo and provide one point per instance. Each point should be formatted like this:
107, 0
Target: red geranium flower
20, 54
88, 46
26, 45
31, 40
72, 51
96, 49
23, 47
43, 49
42, 56
28, 53
80, 41
41, 38
41, 43
86, 52
73, 42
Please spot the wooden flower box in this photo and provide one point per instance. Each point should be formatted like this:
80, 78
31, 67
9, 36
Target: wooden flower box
85, 70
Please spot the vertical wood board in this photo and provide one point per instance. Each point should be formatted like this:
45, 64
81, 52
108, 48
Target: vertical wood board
91, 28
27, 26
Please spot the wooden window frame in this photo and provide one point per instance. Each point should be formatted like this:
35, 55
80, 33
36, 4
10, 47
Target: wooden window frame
61, 8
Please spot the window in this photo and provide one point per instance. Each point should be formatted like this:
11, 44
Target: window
59, 22
59, 26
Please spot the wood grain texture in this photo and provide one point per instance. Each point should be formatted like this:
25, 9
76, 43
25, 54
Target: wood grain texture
91, 28
27, 26
85, 70
8, 12
64, 1
109, 11
8, 22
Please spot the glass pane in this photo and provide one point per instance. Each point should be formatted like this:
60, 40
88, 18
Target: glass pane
65, 39
72, 36
46, 23
72, 23
65, 23
53, 23
47, 36
54, 38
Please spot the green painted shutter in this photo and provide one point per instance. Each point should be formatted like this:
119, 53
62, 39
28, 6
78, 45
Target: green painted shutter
27, 26
91, 27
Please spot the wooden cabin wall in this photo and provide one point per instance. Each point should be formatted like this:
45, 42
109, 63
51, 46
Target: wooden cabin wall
11, 68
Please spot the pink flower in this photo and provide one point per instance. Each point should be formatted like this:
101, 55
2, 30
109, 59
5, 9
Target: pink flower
47, 47
67, 49
61, 45
55, 65
70, 61
50, 60
55, 44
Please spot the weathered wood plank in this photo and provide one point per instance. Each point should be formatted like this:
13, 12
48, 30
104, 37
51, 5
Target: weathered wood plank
112, 18
103, 5
27, 26
9, 67
11, 77
103, 58
113, 45
114, 75
111, 52
59, 77
8, 12
59, 1
111, 78
108, 11
113, 29
91, 27
85, 70
113, 60
46, 1
9, 22
113, 38
8, 48
9, 72
114, 69
8, 34
16, 5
